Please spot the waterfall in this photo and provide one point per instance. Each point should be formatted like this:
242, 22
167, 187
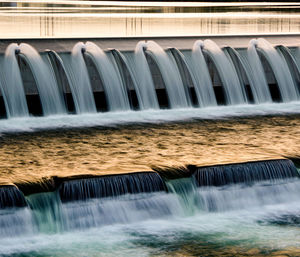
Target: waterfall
186, 190
242, 67
13, 90
292, 63
245, 172
47, 212
204, 86
240, 196
127, 78
50, 95
114, 89
122, 61
11, 196
280, 69
258, 75
233, 89
80, 83
109, 186
80, 204
187, 76
146, 88
15, 222
170, 73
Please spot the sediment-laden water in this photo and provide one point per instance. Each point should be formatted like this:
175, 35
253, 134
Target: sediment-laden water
138, 147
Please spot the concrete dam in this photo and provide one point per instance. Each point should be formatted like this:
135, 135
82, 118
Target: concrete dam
74, 76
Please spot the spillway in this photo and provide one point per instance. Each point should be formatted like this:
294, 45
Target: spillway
79, 205
87, 79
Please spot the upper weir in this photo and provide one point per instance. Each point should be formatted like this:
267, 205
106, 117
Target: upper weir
84, 75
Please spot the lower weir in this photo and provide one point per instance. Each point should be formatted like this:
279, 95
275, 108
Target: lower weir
98, 201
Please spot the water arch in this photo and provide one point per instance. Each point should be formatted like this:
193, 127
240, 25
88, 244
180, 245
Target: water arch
158, 81
80, 82
280, 70
62, 79
187, 77
233, 90
271, 79
96, 84
217, 84
113, 85
31, 89
257, 74
51, 99
12, 86
242, 70
292, 64
203, 86
127, 78
170, 74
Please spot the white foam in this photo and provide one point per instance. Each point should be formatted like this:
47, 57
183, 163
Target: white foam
31, 124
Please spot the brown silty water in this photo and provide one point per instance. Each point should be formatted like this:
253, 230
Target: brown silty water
131, 148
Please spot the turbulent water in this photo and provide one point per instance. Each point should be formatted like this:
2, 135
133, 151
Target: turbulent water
261, 219
248, 209
257, 218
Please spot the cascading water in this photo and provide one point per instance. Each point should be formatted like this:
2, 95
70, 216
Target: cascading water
111, 186
121, 60
174, 86
187, 211
182, 72
146, 89
13, 90
242, 67
51, 98
10, 196
245, 173
204, 86
47, 212
186, 190
292, 63
280, 69
80, 83
233, 89
114, 89
186, 75
258, 75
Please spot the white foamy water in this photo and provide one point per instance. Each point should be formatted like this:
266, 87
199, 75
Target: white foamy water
149, 116
147, 224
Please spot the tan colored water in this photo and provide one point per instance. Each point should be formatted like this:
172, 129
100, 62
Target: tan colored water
32, 156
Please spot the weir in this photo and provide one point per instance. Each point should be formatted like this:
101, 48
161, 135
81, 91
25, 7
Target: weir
78, 204
111, 186
87, 79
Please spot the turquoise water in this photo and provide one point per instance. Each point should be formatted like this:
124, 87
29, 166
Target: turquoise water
260, 219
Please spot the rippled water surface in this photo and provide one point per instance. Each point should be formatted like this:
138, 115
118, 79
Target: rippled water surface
122, 19
256, 219
139, 146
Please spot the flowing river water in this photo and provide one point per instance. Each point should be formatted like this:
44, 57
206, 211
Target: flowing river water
255, 218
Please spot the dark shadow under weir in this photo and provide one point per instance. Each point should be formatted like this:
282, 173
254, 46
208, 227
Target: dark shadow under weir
111, 186
249, 172
11, 196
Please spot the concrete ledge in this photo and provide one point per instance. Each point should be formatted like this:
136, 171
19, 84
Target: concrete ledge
129, 43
